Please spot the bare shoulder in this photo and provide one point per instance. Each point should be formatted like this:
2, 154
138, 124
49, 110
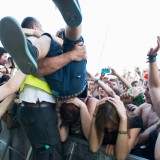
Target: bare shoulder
145, 106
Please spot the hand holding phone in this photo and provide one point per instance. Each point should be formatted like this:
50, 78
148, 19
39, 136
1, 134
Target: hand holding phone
106, 70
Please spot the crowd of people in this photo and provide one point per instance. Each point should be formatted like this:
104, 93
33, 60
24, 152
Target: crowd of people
64, 112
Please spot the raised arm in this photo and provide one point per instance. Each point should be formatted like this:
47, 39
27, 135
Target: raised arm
154, 77
105, 87
123, 80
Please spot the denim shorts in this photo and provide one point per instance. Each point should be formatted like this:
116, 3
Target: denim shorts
69, 81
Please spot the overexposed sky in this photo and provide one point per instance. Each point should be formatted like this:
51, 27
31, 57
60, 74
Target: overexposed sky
117, 33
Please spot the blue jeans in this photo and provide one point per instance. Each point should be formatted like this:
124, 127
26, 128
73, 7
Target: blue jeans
69, 81
40, 125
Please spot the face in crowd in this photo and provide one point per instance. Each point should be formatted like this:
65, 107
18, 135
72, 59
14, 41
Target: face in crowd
146, 93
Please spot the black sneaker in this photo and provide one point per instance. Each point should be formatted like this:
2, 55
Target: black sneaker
15, 43
70, 11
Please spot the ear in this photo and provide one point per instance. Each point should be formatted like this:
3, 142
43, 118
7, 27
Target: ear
34, 27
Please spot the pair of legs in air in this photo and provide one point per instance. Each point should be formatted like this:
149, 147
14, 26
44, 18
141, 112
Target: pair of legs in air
67, 82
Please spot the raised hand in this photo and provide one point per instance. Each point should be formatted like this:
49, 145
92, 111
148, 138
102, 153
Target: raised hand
156, 49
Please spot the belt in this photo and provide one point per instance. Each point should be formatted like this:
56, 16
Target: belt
71, 96
37, 105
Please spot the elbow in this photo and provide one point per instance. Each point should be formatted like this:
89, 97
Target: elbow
63, 139
93, 149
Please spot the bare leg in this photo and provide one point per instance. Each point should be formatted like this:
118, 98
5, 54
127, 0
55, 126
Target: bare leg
73, 33
71, 13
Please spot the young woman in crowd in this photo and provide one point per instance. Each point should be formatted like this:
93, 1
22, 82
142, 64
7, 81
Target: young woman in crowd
114, 128
74, 121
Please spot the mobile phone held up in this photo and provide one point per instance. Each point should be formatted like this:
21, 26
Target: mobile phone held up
106, 70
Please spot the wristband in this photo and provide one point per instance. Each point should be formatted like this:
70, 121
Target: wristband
152, 58
122, 132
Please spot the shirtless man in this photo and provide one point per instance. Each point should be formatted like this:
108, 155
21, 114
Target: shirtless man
150, 119
149, 116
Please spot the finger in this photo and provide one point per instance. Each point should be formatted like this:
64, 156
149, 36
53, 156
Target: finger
111, 151
107, 149
112, 101
80, 43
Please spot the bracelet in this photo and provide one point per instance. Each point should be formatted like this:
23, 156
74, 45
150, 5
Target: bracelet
96, 81
152, 58
122, 132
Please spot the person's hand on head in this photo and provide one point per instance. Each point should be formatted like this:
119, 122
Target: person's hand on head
100, 102
119, 106
76, 101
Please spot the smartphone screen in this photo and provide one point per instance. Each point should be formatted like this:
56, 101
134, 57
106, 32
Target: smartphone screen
106, 70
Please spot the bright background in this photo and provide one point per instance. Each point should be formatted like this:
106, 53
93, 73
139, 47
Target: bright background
117, 33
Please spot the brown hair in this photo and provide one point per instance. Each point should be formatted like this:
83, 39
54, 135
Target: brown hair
107, 113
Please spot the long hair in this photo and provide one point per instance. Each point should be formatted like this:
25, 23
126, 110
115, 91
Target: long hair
106, 113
